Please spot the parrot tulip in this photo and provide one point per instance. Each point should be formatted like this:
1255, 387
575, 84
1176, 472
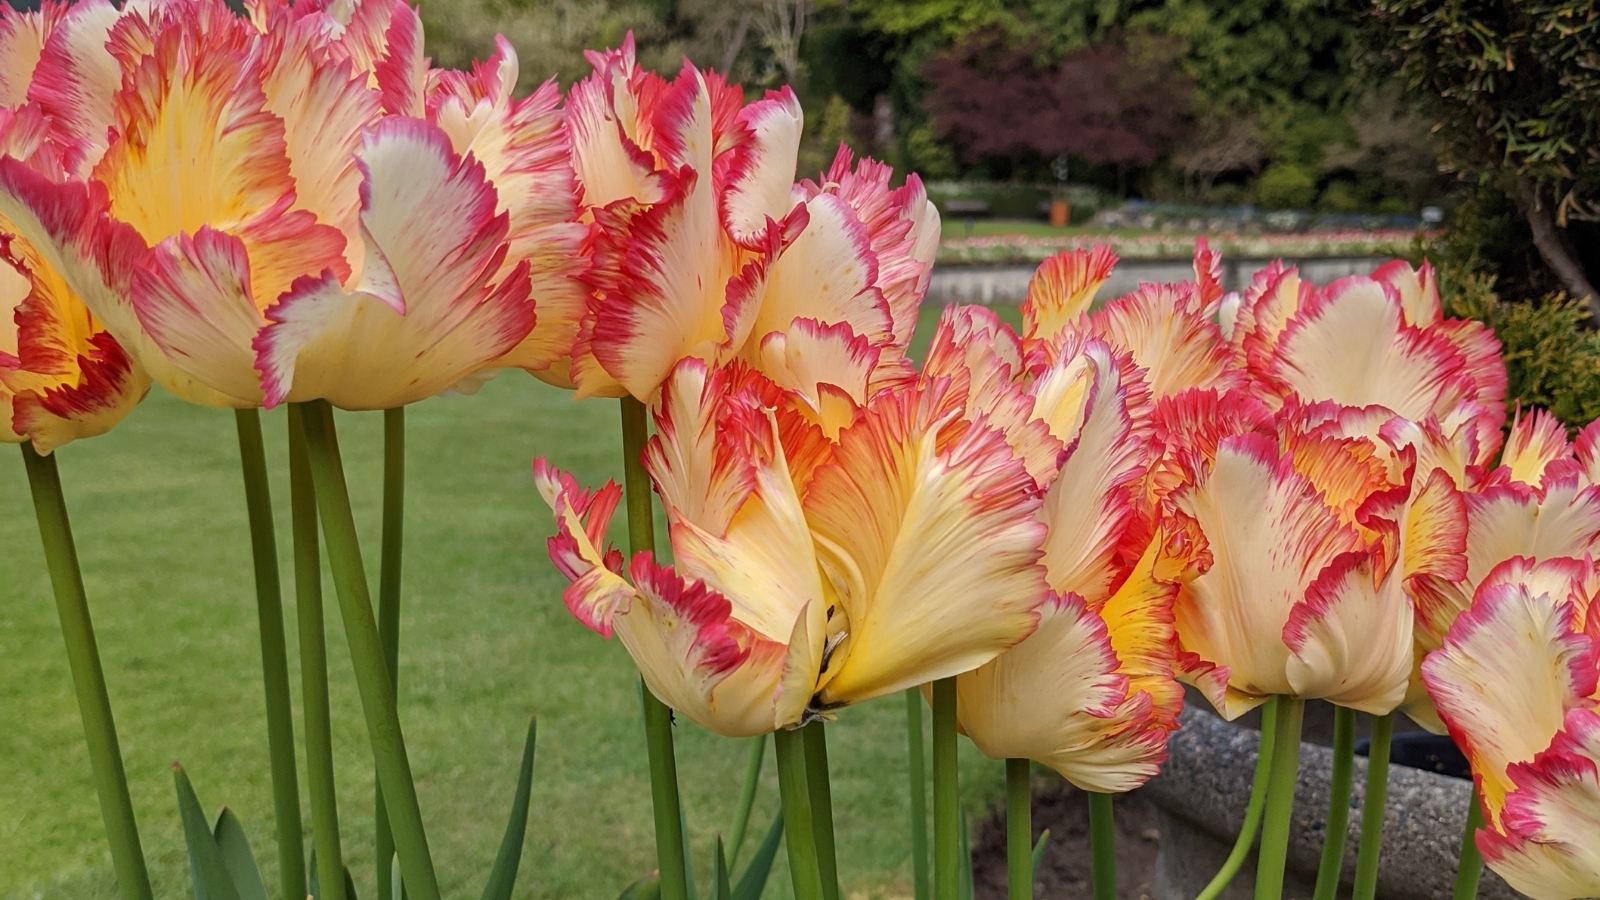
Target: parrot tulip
293, 206
1515, 681
808, 573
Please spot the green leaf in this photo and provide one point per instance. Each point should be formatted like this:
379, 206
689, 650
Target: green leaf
646, 888
211, 880
503, 877
313, 886
1038, 851
721, 890
237, 857
966, 888
398, 885
754, 879
349, 885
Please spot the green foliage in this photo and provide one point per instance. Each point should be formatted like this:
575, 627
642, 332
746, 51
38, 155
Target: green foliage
926, 156
1286, 186
1552, 354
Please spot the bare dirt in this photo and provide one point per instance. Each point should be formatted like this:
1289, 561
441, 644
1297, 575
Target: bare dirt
1064, 871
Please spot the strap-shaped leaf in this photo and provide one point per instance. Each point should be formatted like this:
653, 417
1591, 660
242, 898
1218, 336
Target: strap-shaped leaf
398, 889
503, 877
237, 856
646, 888
1038, 851
721, 889
349, 885
754, 879
210, 875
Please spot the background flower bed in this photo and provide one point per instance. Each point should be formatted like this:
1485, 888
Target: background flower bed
159, 512
1033, 247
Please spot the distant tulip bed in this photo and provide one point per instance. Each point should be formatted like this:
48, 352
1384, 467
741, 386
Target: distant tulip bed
1292, 492
1018, 248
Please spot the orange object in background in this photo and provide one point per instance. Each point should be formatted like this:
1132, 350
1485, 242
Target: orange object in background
1060, 213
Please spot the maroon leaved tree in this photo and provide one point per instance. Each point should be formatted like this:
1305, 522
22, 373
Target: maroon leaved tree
1122, 102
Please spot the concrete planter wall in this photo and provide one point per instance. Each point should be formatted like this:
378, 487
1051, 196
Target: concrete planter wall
1202, 792
1009, 283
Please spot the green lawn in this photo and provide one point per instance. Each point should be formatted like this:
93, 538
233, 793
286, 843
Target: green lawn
954, 227
159, 514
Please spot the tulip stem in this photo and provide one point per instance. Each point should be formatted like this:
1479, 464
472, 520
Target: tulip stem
747, 798
1280, 799
657, 717
1252, 813
274, 654
1366, 886
1019, 829
314, 665
821, 794
919, 794
1102, 846
88, 678
366, 652
798, 831
1470, 867
394, 506
946, 794
1333, 836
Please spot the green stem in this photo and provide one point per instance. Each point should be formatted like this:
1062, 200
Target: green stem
366, 653
1366, 886
946, 794
657, 717
799, 833
1102, 844
747, 798
1019, 829
88, 678
821, 794
313, 665
274, 655
394, 505
1333, 836
1252, 814
1280, 799
919, 794
1470, 868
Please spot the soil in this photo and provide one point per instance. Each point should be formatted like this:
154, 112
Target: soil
1064, 871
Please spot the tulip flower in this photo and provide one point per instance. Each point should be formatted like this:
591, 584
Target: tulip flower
704, 246
1515, 680
1362, 341
291, 207
1092, 692
1305, 595
808, 574
62, 376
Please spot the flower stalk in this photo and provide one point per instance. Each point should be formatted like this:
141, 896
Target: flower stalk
799, 833
1333, 837
917, 767
274, 654
1252, 814
1366, 886
1102, 846
314, 664
394, 495
820, 791
1280, 799
1470, 867
946, 794
366, 652
1019, 829
657, 717
88, 678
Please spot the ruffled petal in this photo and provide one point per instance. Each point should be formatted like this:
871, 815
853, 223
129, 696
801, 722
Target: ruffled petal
1169, 330
928, 535
422, 316
1504, 679
1063, 288
76, 79
763, 168
1547, 849
597, 592
1058, 699
22, 40
1350, 638
1536, 440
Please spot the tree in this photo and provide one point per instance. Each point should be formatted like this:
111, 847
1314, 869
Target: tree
1514, 85
1118, 103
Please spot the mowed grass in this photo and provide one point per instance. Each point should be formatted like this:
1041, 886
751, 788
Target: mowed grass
158, 510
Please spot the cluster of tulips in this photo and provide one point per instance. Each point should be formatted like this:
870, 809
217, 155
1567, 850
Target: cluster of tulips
1286, 493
